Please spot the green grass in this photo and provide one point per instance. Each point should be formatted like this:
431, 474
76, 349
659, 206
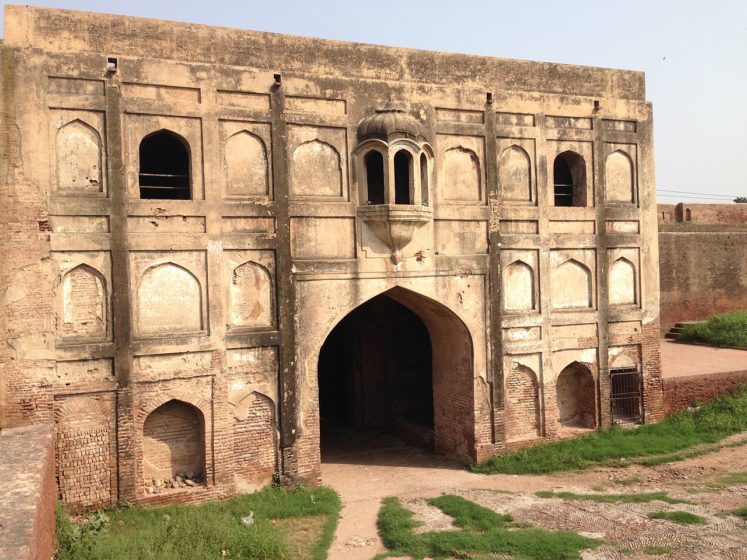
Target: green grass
673, 439
740, 512
212, 530
725, 329
482, 533
631, 498
681, 517
630, 481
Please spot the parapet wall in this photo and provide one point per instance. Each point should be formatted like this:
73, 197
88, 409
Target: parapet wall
27, 493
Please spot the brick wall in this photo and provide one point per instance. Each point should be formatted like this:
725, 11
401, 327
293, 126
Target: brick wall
681, 392
702, 273
27, 493
522, 404
254, 443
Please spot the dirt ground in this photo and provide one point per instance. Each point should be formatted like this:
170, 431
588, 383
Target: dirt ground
365, 473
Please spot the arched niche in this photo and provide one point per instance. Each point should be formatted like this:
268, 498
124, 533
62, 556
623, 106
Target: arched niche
254, 441
575, 396
522, 404
315, 170
169, 301
622, 282
246, 166
571, 285
165, 167
84, 303
173, 442
460, 178
518, 287
250, 296
78, 150
569, 179
619, 177
515, 174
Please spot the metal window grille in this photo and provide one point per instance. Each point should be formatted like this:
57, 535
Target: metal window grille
625, 395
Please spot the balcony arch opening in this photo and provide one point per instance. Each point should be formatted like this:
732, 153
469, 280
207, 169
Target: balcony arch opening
374, 163
424, 180
402, 177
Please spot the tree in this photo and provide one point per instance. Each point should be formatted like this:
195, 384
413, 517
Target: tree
742, 199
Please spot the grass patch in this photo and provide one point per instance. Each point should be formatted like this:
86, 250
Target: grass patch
657, 550
722, 482
740, 512
725, 329
630, 481
632, 498
673, 439
482, 533
681, 517
289, 525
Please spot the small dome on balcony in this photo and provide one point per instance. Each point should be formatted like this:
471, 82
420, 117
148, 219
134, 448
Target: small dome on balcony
390, 121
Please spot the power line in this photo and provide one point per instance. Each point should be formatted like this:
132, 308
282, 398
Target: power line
680, 197
696, 193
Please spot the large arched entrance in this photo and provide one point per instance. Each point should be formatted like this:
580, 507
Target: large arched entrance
399, 364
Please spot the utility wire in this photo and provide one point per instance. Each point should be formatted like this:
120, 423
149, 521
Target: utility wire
696, 193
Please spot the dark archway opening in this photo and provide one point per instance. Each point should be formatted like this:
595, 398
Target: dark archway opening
402, 177
164, 167
375, 374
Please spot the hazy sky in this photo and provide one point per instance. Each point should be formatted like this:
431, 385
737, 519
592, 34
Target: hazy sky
694, 54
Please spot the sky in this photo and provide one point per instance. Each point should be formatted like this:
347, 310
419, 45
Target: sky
694, 54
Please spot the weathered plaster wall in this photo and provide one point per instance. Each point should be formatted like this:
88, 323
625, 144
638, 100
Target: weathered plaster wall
118, 308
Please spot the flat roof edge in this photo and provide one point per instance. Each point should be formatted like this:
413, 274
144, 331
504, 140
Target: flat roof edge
72, 31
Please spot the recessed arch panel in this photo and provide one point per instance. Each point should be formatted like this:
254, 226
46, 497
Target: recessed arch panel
84, 303
571, 285
519, 287
619, 177
515, 174
169, 301
246, 166
250, 296
78, 150
622, 282
460, 178
315, 170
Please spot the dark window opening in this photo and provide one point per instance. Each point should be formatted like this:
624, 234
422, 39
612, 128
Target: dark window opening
402, 176
569, 180
164, 167
423, 180
625, 395
375, 177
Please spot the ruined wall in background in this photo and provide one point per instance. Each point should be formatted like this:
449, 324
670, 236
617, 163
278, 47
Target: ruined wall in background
702, 273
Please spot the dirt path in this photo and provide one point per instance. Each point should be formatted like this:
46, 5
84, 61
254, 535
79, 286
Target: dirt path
364, 477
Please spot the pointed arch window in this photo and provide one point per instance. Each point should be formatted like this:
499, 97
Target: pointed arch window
402, 177
569, 180
165, 167
374, 162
